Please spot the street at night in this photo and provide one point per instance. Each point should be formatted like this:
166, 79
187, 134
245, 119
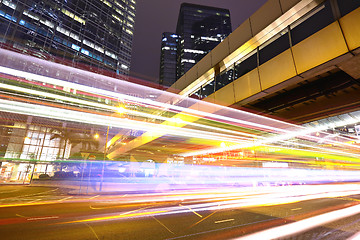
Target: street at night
154, 120
54, 213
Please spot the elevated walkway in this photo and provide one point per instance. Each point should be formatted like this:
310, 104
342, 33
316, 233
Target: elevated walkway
309, 41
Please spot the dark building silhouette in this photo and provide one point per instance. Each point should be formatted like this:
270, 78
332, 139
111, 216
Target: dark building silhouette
168, 58
199, 30
87, 33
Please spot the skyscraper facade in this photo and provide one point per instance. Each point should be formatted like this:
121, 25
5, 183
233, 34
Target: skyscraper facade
168, 59
95, 34
201, 29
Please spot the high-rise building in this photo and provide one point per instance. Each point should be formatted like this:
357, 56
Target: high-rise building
168, 59
201, 29
87, 33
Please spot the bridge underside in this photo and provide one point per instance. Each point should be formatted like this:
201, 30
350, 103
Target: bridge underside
334, 90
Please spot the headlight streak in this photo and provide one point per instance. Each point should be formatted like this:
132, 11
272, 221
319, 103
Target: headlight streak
218, 202
35, 77
319, 150
103, 106
275, 139
300, 226
288, 135
69, 115
114, 109
149, 115
171, 102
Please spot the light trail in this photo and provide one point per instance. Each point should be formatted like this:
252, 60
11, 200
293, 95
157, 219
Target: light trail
286, 131
82, 117
219, 202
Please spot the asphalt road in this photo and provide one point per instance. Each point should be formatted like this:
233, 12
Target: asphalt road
51, 213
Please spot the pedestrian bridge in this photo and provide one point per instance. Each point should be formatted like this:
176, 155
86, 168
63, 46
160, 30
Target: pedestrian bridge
298, 60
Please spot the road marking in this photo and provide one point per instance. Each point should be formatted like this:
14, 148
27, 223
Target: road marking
202, 219
121, 216
295, 209
92, 231
163, 225
42, 218
226, 220
191, 210
20, 216
64, 199
94, 197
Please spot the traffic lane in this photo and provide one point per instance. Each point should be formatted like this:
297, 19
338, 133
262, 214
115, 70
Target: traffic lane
345, 228
234, 223
197, 222
201, 225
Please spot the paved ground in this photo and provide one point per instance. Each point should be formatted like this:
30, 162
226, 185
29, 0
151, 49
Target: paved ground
28, 212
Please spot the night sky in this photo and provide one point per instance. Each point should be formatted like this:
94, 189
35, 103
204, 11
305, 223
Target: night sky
153, 17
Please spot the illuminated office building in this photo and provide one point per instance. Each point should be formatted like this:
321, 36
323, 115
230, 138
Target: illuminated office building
201, 29
90, 34
169, 44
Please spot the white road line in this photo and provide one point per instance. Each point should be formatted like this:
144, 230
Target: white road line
63, 199
92, 231
191, 210
94, 197
42, 218
226, 220
163, 225
295, 209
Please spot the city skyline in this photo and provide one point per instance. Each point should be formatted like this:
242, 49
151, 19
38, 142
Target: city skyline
152, 21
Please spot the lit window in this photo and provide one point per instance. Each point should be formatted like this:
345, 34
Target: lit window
120, 5
86, 52
71, 15
74, 36
187, 60
100, 49
128, 31
47, 23
119, 12
130, 18
116, 17
110, 54
88, 43
76, 47
31, 15
106, 2
210, 39
194, 51
63, 31
9, 4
